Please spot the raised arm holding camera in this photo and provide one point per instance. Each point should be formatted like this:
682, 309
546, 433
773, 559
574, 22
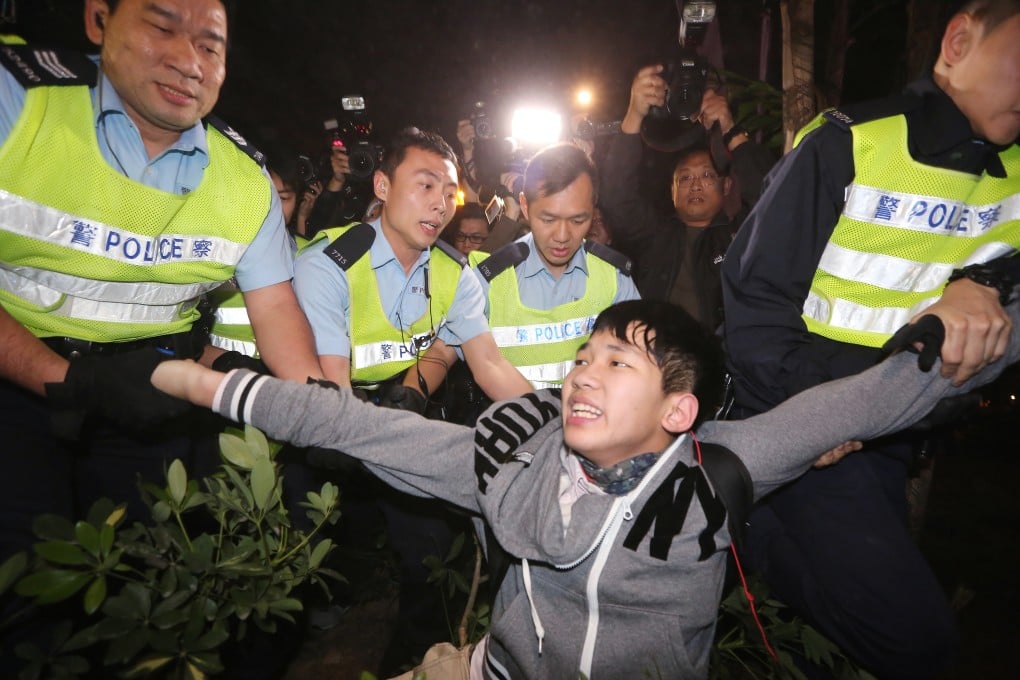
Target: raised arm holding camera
677, 255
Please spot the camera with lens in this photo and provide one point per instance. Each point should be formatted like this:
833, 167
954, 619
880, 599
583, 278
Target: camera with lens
674, 126
481, 122
306, 170
352, 133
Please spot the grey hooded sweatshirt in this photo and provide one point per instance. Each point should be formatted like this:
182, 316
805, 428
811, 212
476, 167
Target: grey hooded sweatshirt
630, 584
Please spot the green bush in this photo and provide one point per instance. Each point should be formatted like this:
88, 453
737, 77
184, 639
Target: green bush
162, 598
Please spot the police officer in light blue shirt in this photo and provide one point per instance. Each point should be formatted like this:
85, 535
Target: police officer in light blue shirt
178, 169
325, 295
541, 289
81, 364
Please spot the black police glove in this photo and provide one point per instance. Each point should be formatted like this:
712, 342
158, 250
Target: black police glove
228, 361
402, 398
928, 331
116, 387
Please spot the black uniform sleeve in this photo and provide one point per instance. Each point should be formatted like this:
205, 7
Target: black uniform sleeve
768, 270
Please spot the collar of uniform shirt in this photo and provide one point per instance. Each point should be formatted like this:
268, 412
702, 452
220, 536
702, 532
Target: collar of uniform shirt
534, 265
107, 105
942, 135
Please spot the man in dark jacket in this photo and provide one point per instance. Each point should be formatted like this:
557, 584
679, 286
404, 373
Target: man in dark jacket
677, 255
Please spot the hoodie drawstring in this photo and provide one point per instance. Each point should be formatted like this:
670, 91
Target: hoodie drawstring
539, 629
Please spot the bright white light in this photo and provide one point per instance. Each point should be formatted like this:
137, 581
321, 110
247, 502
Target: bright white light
536, 127
584, 97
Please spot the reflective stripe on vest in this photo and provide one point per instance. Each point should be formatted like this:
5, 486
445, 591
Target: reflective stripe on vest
387, 351
540, 334
542, 344
102, 257
903, 229
232, 316
233, 345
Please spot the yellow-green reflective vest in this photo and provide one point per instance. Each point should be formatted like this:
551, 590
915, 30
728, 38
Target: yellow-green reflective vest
904, 228
542, 343
380, 350
90, 254
231, 329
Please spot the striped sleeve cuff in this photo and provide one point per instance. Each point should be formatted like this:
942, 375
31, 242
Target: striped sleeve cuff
236, 394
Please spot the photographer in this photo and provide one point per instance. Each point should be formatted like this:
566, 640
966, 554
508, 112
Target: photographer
332, 206
677, 255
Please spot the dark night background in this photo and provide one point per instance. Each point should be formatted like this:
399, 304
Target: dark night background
426, 62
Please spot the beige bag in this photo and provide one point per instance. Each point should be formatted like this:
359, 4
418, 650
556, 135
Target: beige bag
442, 661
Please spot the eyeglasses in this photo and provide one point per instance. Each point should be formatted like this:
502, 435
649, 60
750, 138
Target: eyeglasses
706, 177
475, 239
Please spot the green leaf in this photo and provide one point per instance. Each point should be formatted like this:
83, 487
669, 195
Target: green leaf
171, 603
319, 553
235, 451
456, 547
61, 552
11, 569
88, 537
106, 536
52, 585
147, 666
95, 595
287, 604
263, 481
161, 511
53, 528
257, 442
177, 480
115, 517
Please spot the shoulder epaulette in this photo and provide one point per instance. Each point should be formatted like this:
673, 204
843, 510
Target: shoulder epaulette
234, 136
617, 259
863, 112
510, 255
452, 253
351, 245
35, 66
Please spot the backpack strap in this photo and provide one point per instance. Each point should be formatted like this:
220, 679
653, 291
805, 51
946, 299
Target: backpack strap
732, 484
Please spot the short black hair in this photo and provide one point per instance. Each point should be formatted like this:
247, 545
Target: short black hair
689, 355
413, 137
554, 168
991, 13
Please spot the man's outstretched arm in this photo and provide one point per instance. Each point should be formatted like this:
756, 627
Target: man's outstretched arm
412, 454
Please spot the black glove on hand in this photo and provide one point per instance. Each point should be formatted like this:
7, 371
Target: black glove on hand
114, 386
402, 398
928, 331
228, 361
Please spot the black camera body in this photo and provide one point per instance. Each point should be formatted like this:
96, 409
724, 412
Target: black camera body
686, 79
674, 126
353, 134
481, 121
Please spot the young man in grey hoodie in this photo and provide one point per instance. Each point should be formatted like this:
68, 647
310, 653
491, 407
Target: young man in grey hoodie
617, 538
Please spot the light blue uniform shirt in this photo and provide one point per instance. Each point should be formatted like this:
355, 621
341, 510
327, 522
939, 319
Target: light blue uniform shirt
179, 169
325, 296
539, 289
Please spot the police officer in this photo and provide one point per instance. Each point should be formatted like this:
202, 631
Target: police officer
544, 290
377, 295
860, 228
115, 224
